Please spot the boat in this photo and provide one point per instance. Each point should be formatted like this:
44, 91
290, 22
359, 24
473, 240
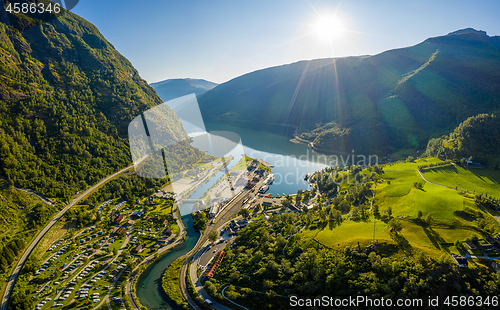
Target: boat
264, 189
271, 179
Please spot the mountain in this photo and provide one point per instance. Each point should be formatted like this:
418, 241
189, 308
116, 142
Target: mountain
174, 88
395, 100
66, 99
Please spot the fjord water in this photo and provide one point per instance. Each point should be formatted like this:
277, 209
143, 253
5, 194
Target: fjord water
148, 288
291, 162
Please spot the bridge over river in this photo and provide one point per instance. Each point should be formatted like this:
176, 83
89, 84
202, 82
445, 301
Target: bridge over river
189, 200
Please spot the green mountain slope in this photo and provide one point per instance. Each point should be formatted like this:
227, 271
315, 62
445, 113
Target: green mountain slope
393, 100
174, 88
477, 137
66, 99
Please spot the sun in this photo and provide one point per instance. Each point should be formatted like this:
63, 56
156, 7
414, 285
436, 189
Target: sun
329, 28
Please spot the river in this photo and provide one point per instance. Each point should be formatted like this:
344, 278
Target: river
291, 162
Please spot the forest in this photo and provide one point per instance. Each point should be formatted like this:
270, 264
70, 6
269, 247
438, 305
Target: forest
269, 259
477, 139
66, 100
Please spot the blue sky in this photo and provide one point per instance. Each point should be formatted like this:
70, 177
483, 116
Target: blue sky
218, 40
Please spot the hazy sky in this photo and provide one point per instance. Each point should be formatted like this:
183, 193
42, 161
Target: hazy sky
218, 40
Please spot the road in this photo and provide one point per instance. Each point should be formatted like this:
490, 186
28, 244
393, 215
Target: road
27, 252
226, 214
456, 189
207, 256
106, 298
130, 280
229, 211
32, 192
122, 248
199, 260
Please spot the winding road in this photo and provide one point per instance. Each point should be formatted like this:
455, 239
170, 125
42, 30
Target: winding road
27, 251
456, 189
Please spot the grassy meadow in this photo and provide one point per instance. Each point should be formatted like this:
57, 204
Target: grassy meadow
454, 214
481, 181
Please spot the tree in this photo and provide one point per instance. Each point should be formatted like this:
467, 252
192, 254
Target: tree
307, 194
395, 225
335, 216
388, 211
298, 197
130, 263
344, 206
355, 213
481, 223
474, 238
419, 214
213, 236
245, 213
331, 215
428, 218
422, 258
375, 209
286, 202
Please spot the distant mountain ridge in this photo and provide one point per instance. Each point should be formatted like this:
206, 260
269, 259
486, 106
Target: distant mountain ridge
174, 88
377, 104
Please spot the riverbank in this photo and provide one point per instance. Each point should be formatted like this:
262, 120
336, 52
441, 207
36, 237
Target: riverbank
277, 151
171, 285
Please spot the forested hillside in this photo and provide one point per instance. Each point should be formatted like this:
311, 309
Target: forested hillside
383, 103
256, 270
66, 99
21, 214
477, 138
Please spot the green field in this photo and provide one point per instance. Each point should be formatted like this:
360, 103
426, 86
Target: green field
404, 199
414, 165
440, 202
349, 232
454, 214
116, 244
486, 181
432, 239
401, 182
